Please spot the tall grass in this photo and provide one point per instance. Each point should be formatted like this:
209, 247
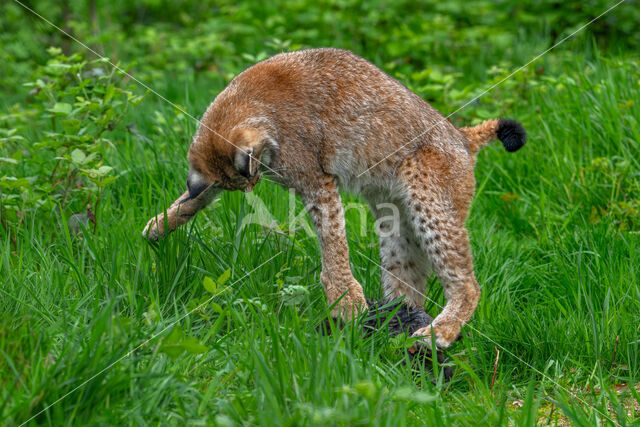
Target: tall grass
556, 253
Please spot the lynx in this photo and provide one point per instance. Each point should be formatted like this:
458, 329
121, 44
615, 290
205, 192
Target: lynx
321, 120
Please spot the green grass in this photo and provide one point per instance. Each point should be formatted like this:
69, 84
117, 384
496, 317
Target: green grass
556, 248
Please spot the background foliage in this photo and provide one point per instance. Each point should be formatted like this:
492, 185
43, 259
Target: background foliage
87, 154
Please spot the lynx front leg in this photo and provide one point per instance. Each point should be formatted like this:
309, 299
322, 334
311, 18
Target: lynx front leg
325, 209
180, 212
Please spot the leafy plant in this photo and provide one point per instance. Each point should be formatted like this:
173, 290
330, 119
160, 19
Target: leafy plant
176, 343
55, 147
619, 192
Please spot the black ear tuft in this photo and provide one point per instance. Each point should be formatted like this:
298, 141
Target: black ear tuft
511, 134
244, 162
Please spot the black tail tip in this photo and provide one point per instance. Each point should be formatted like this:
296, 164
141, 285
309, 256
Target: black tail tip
511, 134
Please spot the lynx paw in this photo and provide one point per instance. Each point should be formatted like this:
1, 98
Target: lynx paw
444, 337
352, 304
152, 231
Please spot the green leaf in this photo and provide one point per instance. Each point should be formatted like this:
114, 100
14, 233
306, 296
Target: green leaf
109, 93
213, 286
176, 343
172, 344
78, 157
11, 182
366, 389
224, 277
175, 336
61, 108
104, 181
193, 346
173, 351
54, 51
294, 294
101, 171
209, 285
216, 307
412, 395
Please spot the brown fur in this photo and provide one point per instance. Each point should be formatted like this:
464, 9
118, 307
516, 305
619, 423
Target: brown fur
324, 119
482, 134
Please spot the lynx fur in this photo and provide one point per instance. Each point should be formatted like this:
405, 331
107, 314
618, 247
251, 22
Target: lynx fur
321, 120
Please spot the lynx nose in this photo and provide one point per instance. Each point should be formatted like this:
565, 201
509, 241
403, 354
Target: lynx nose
195, 185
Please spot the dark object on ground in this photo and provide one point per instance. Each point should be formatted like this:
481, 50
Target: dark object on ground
405, 320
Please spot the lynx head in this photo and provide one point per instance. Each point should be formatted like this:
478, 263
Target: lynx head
226, 162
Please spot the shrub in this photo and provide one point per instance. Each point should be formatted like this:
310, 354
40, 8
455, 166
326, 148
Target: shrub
52, 150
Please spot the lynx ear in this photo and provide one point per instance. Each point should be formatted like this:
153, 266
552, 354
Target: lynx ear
245, 162
251, 143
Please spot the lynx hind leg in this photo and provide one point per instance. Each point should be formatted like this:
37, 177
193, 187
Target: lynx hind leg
404, 267
438, 223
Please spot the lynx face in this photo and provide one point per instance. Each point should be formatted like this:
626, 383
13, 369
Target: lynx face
212, 163
325, 119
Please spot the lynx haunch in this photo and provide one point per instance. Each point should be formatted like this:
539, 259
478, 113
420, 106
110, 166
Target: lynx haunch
321, 120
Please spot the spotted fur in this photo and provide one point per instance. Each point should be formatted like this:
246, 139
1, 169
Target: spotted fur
325, 119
